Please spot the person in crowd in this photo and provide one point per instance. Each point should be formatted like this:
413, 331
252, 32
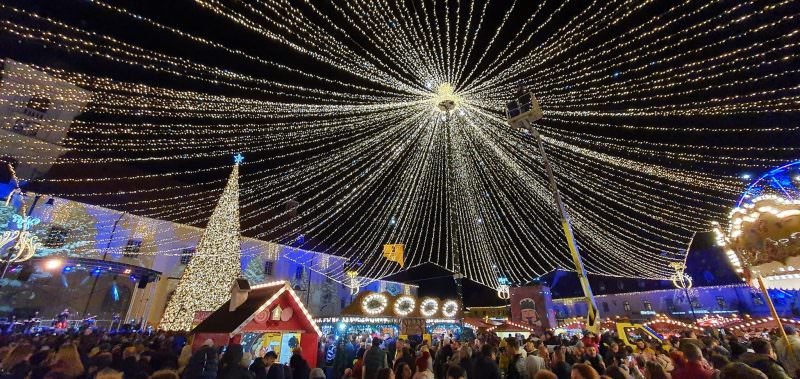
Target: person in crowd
791, 364
533, 362
402, 371
230, 366
695, 367
204, 363
67, 361
183, 358
485, 365
109, 373
384, 373
374, 360
653, 370
423, 368
560, 366
130, 366
316, 373
164, 374
592, 358
456, 372
590, 339
763, 358
739, 370
299, 365
689, 338
583, 371
545, 374
718, 362
516, 364
613, 356
16, 364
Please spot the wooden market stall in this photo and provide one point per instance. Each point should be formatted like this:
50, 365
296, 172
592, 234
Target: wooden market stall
267, 317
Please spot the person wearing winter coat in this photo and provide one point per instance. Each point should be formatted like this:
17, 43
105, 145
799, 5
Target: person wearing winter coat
230, 366
763, 359
266, 368
300, 368
203, 364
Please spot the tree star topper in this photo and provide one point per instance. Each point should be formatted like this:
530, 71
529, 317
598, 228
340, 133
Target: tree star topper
238, 158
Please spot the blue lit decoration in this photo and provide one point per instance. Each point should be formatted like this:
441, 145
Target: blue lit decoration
115, 291
781, 181
238, 158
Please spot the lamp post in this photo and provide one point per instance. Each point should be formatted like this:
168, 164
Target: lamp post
682, 280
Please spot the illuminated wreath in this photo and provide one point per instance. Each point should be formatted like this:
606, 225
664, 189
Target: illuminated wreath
404, 305
374, 303
450, 308
429, 307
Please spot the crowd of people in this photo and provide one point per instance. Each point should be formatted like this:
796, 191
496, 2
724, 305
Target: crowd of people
583, 356
97, 355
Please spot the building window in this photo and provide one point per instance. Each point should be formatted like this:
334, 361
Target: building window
186, 255
721, 302
298, 274
626, 306
56, 237
132, 248
605, 307
670, 304
269, 266
648, 306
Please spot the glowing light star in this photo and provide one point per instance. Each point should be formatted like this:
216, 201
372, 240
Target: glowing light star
238, 158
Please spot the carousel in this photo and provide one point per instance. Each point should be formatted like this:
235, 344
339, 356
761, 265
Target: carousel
762, 238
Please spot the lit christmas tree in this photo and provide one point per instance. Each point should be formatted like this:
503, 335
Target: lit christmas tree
206, 281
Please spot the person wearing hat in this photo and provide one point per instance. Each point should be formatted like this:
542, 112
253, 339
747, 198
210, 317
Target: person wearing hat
792, 365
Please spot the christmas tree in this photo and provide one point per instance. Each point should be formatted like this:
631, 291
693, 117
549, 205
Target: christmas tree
216, 263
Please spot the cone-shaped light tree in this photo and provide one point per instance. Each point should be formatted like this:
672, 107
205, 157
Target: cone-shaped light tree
216, 263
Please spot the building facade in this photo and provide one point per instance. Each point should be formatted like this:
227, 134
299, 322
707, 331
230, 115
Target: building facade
705, 301
115, 263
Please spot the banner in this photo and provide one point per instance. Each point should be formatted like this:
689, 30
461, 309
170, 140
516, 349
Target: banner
394, 253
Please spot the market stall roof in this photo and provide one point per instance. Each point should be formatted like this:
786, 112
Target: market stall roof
478, 323
511, 327
259, 299
764, 323
663, 323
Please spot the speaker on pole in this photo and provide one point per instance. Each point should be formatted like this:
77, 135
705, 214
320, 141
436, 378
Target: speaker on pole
143, 281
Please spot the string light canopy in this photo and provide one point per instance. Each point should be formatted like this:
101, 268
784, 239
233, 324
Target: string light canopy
384, 121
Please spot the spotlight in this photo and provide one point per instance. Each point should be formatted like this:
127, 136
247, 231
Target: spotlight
746, 176
52, 264
127, 271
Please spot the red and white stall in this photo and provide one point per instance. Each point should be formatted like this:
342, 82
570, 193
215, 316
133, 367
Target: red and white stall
266, 317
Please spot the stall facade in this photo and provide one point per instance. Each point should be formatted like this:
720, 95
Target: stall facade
268, 317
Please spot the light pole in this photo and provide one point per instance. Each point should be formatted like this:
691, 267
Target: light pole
682, 280
521, 113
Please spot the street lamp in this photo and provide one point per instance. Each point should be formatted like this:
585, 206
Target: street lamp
521, 113
682, 280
